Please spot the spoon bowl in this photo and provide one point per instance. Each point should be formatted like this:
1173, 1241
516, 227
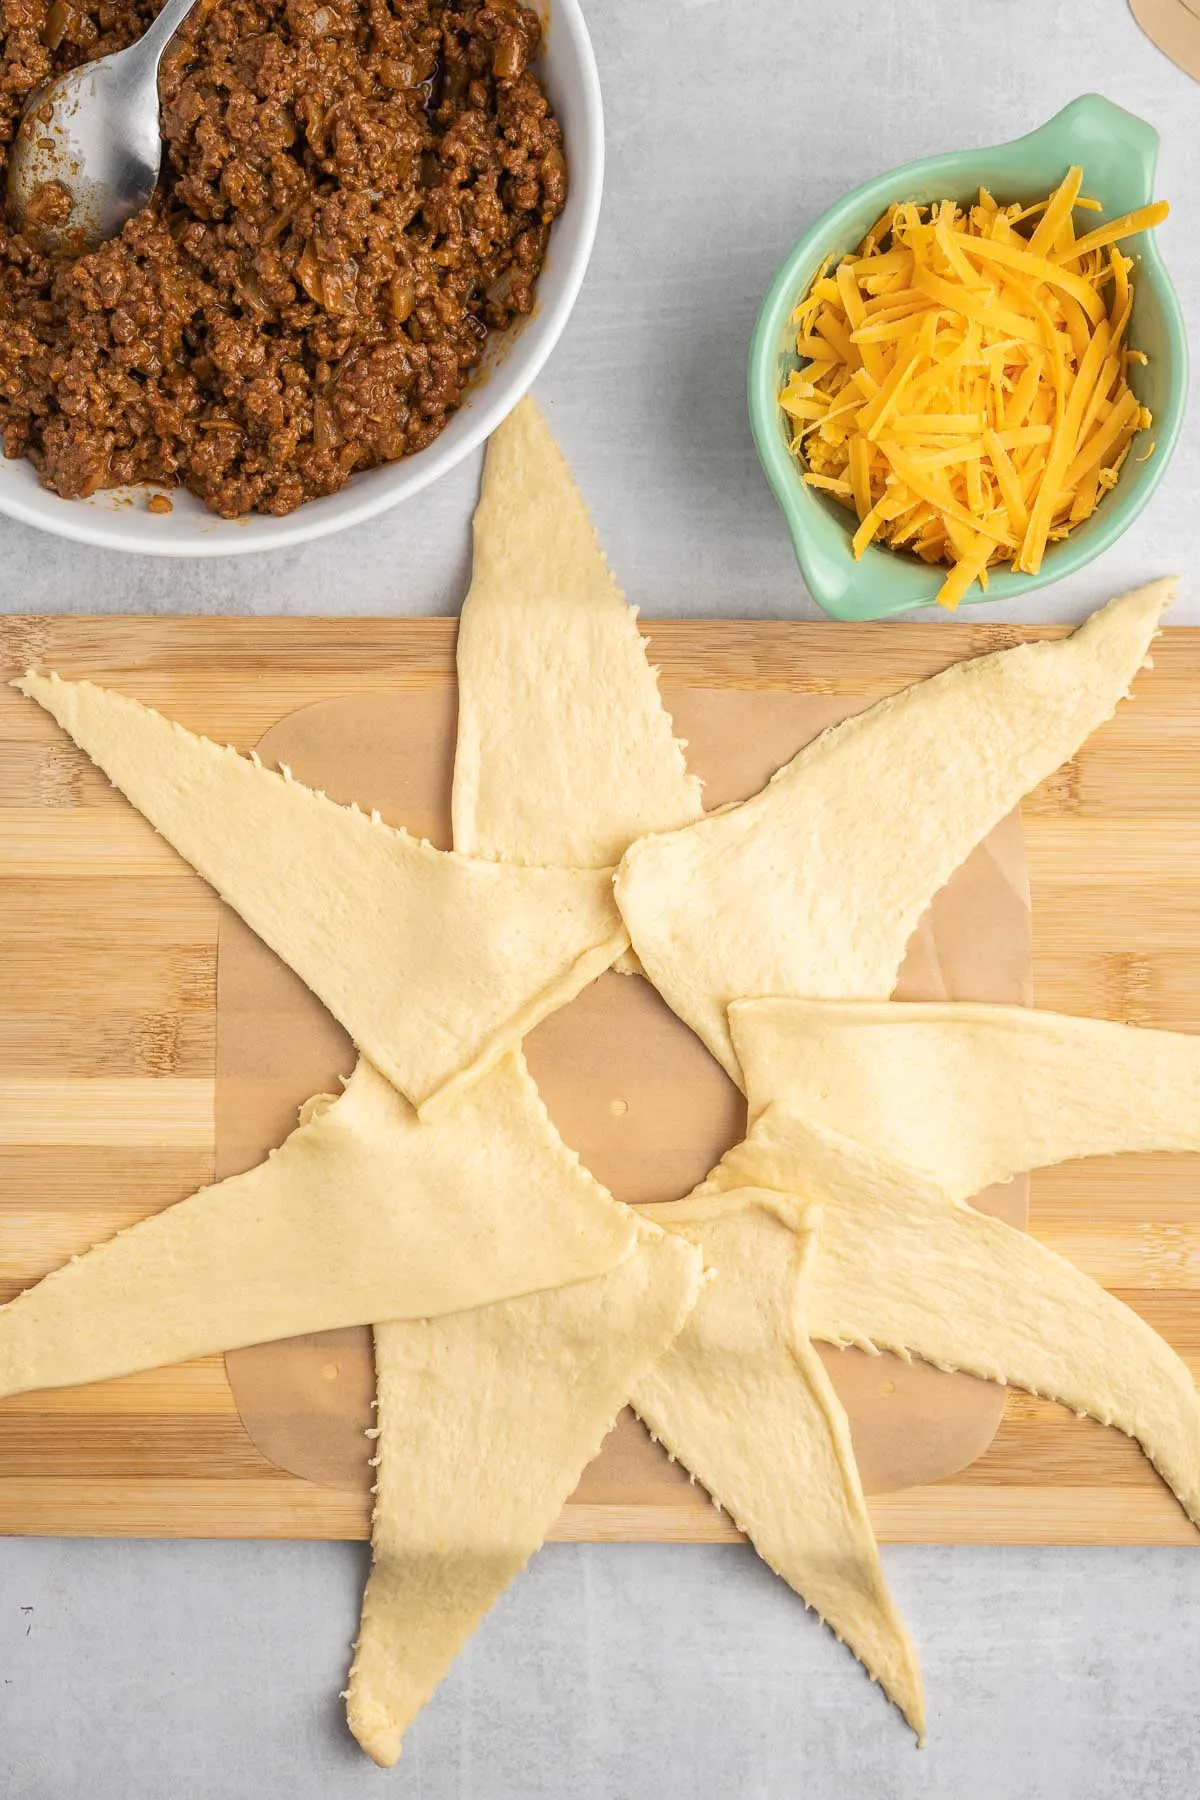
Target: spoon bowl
72, 181
87, 153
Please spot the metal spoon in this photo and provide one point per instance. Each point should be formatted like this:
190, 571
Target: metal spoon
95, 132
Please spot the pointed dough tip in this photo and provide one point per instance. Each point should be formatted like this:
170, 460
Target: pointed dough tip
1139, 611
546, 620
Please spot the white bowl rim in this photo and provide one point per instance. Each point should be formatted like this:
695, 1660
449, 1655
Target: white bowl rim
490, 403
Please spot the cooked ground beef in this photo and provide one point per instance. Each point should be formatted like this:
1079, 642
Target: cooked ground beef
354, 194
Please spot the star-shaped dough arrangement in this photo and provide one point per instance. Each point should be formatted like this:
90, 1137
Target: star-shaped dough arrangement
517, 1306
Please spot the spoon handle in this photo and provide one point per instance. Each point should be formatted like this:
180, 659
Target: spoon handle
157, 35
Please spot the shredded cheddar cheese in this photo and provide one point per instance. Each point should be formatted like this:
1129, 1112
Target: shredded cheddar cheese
964, 389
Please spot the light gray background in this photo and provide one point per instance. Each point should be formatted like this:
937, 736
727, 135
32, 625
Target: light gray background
210, 1671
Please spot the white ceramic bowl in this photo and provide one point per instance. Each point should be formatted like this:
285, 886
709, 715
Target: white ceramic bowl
118, 520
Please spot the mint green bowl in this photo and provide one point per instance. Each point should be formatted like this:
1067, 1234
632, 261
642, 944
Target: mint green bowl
1119, 154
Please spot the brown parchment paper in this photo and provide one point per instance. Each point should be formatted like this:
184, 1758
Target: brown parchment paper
627, 1084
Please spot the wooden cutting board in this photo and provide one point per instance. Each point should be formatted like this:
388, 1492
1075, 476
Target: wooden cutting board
107, 1040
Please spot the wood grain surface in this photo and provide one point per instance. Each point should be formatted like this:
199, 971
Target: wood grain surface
108, 957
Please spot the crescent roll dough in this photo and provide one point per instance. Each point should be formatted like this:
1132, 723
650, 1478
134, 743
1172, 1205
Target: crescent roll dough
486, 1421
814, 886
742, 1400
364, 1213
565, 753
435, 963
904, 1266
978, 1093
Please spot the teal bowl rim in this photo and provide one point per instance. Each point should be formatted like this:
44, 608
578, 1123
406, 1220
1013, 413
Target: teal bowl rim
1112, 517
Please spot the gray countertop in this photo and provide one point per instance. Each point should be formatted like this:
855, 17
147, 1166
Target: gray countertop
144, 1671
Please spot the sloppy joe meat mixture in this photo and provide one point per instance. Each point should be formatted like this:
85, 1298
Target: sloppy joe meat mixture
355, 193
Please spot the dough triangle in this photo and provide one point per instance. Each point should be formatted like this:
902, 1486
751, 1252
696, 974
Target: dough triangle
435, 963
743, 1401
814, 886
565, 752
905, 1267
978, 1093
486, 1422
363, 1213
